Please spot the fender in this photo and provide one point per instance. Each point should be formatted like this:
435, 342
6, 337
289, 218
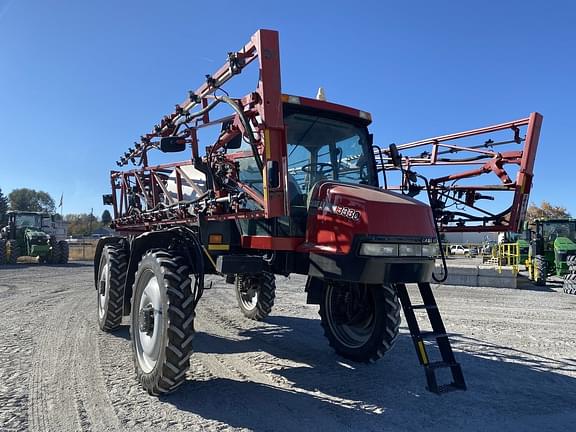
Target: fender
166, 239
314, 290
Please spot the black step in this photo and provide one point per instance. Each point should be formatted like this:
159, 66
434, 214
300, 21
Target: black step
446, 388
432, 335
423, 306
440, 365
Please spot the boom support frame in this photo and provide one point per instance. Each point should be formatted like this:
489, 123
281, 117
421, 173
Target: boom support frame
490, 157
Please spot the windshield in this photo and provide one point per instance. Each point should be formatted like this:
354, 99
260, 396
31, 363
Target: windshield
552, 230
321, 148
28, 220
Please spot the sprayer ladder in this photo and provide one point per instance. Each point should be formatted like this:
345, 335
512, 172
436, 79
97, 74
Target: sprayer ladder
438, 334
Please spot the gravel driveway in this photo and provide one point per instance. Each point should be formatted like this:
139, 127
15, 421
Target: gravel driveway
58, 372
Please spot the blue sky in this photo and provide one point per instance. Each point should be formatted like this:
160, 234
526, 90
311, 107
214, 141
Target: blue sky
80, 81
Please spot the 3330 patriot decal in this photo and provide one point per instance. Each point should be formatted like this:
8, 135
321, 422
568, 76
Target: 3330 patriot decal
325, 207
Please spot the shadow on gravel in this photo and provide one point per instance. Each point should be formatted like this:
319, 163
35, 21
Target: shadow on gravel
526, 284
123, 332
256, 406
327, 393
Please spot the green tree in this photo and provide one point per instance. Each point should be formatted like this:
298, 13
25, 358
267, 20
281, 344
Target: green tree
30, 200
546, 211
106, 218
3, 206
82, 224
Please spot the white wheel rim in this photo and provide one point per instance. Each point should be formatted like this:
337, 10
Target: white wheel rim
249, 301
148, 345
104, 282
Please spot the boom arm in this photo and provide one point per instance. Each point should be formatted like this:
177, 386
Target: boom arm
140, 197
472, 171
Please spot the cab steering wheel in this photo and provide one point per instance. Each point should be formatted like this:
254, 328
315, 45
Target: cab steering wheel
322, 168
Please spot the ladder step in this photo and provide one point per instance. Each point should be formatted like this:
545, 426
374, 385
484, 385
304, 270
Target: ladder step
440, 365
432, 335
446, 388
423, 306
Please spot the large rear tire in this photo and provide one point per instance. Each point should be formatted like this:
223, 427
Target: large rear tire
571, 262
569, 286
162, 321
111, 281
54, 254
540, 270
64, 252
2, 251
360, 321
256, 294
12, 252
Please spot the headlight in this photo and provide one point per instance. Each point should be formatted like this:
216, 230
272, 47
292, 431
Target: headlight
430, 250
410, 250
379, 249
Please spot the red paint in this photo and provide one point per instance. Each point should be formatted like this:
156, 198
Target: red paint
271, 243
381, 213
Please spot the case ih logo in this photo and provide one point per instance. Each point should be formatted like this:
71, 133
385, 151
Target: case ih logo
347, 212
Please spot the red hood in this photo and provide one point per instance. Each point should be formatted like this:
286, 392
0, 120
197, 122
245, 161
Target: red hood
338, 212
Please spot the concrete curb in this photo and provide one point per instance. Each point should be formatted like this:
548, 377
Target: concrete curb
480, 276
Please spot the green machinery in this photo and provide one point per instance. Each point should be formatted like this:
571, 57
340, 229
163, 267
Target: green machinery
33, 234
523, 246
552, 246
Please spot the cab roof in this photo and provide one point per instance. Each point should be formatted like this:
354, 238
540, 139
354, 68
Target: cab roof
366, 117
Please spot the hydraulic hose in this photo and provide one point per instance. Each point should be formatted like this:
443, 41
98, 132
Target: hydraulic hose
442, 255
246, 124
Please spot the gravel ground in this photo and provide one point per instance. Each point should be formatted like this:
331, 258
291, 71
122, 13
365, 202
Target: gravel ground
58, 372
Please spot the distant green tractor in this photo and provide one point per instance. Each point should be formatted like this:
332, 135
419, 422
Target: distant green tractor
553, 243
523, 250
33, 234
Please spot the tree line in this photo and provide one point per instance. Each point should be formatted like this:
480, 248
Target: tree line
23, 199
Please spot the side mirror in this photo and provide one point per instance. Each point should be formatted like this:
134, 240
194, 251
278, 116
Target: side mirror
234, 143
273, 174
107, 199
172, 144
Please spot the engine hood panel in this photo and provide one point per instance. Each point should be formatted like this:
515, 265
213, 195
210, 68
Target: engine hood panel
338, 212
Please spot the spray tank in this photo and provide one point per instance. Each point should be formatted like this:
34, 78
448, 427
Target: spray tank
193, 183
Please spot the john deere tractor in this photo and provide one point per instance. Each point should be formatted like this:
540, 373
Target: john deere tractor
553, 244
33, 234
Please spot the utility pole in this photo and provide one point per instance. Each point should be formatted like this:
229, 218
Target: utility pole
91, 217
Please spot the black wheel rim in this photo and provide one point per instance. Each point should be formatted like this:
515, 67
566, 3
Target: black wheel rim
350, 314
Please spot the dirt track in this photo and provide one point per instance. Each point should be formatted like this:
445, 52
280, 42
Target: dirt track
59, 373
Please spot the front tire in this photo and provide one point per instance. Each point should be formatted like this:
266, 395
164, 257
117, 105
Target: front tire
12, 252
2, 251
111, 281
64, 250
54, 254
162, 321
256, 294
360, 321
540, 270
